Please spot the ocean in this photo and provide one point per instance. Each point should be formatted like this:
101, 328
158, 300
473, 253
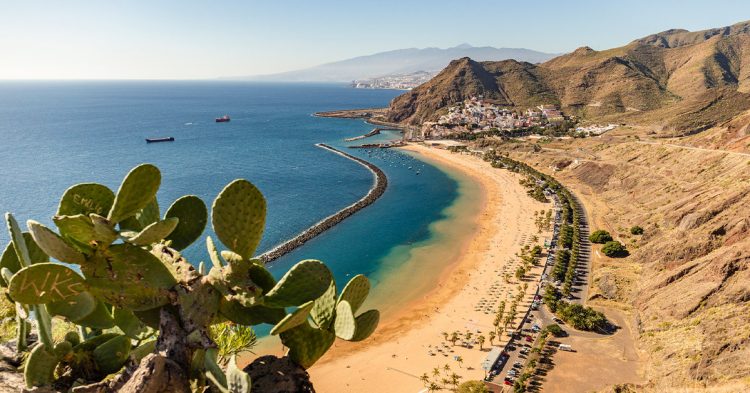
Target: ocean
56, 134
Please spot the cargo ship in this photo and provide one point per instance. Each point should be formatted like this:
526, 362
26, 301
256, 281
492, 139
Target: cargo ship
223, 119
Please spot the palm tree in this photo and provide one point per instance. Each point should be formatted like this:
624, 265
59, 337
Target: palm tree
492, 335
436, 371
445, 336
433, 387
425, 379
447, 368
454, 337
460, 360
480, 339
468, 336
455, 379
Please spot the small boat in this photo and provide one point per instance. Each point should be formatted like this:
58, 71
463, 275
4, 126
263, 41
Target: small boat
167, 139
223, 119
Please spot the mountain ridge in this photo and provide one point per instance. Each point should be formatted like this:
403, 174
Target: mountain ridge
682, 81
398, 61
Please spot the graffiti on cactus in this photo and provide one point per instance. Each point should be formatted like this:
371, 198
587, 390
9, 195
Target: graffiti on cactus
90, 204
63, 285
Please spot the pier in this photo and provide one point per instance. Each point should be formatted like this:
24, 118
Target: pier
380, 182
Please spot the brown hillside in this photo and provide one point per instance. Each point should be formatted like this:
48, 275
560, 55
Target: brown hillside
682, 81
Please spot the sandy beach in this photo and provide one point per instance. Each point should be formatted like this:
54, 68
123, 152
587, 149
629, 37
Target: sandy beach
410, 342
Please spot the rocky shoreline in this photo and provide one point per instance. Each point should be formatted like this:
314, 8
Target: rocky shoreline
378, 188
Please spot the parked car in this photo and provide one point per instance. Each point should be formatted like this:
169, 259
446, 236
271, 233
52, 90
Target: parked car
517, 364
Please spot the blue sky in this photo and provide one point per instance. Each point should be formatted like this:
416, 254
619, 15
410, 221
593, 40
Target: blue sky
170, 39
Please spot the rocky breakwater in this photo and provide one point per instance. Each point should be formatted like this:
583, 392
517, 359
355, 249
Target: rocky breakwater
378, 188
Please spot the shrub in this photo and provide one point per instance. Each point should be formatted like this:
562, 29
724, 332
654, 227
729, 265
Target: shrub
473, 387
580, 317
600, 236
636, 230
614, 249
556, 330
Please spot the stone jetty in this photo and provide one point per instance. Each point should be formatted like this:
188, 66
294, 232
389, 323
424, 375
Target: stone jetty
378, 188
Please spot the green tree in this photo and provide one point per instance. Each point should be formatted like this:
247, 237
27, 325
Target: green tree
636, 230
481, 339
492, 336
459, 360
473, 387
600, 236
614, 249
556, 330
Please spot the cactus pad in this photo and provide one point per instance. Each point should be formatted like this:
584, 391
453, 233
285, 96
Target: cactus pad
128, 322
255, 315
238, 381
294, 319
40, 367
212, 253
18, 241
153, 233
44, 283
77, 230
85, 199
73, 338
344, 324
307, 344
355, 292
104, 231
9, 260
367, 322
238, 217
74, 308
136, 191
100, 318
63, 348
129, 277
193, 216
305, 281
53, 245
230, 256
111, 355
324, 308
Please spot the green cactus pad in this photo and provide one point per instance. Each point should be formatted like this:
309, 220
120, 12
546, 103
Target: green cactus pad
9, 260
324, 308
128, 322
53, 245
129, 277
255, 315
136, 191
238, 217
294, 319
40, 367
344, 324
261, 276
91, 344
213, 371
212, 253
193, 216
155, 232
367, 322
74, 308
104, 231
85, 199
142, 350
111, 355
18, 241
238, 381
78, 230
44, 283
355, 292
305, 281
307, 344
149, 214
231, 257
100, 318
73, 338
63, 348
150, 317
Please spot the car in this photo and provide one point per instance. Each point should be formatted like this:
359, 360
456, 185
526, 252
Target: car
508, 382
517, 364
529, 339
524, 350
512, 373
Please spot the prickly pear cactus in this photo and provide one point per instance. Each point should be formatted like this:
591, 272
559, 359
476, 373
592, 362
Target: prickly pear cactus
111, 355
136, 191
355, 292
154, 233
296, 318
43, 283
192, 215
305, 281
85, 199
239, 216
40, 367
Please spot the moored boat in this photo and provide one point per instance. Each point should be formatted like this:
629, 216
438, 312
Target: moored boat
167, 139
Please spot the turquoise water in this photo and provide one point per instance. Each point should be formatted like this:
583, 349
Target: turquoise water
55, 134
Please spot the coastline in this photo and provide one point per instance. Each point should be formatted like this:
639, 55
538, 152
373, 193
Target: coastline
440, 297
